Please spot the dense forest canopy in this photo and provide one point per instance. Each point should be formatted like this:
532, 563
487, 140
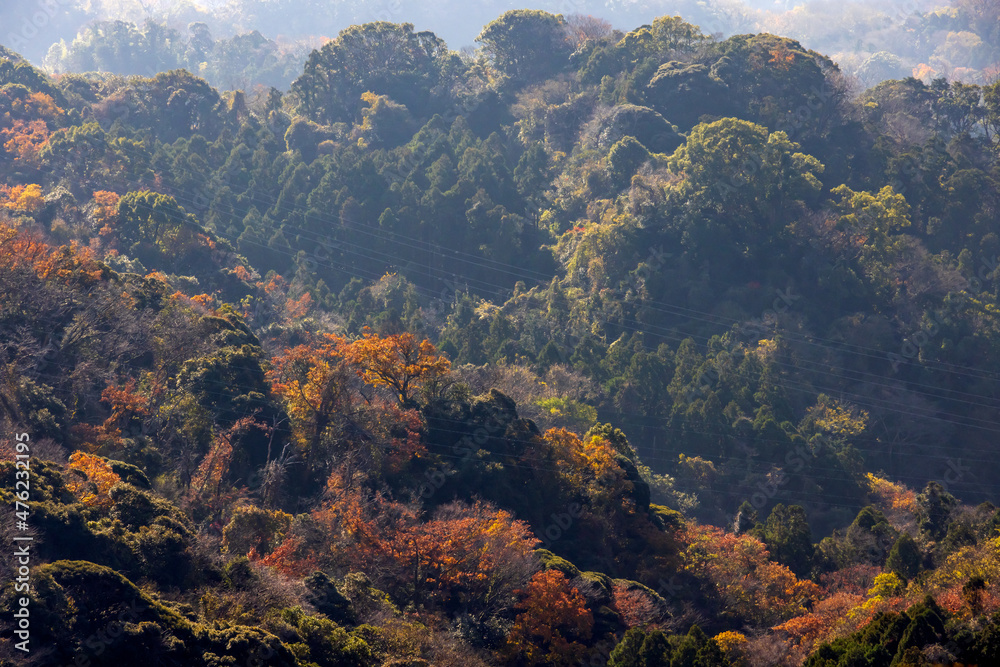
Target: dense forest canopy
592, 345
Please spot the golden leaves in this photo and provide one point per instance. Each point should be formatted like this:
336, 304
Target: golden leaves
92, 480
746, 580
23, 198
781, 58
397, 361
62, 263
889, 495
24, 140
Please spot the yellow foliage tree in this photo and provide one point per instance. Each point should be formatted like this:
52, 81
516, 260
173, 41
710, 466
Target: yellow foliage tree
24, 198
92, 479
897, 501
255, 530
587, 464
732, 644
313, 381
833, 417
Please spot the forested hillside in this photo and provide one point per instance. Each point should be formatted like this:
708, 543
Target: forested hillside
588, 347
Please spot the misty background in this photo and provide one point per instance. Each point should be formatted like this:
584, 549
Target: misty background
242, 44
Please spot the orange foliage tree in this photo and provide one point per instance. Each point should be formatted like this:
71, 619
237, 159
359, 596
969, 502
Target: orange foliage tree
588, 464
747, 583
635, 605
297, 308
398, 362
25, 198
65, 264
106, 211
344, 511
896, 501
465, 554
781, 58
291, 558
313, 380
213, 468
316, 381
474, 555
820, 624
126, 404
839, 612
24, 140
554, 623
92, 479
17, 103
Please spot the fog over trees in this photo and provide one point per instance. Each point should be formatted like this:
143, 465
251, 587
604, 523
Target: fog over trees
240, 43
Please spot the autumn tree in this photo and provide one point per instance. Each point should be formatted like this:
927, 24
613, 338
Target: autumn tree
554, 623
24, 140
463, 555
126, 404
207, 482
582, 29
587, 465
91, 479
22, 198
397, 362
314, 381
739, 571
68, 264
105, 211
898, 502
635, 604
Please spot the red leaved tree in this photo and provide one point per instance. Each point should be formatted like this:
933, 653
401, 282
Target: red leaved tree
472, 555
